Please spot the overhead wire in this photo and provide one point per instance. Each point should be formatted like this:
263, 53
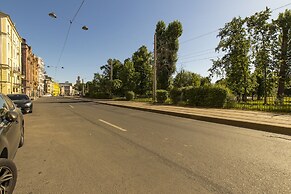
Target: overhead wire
202, 59
209, 33
67, 35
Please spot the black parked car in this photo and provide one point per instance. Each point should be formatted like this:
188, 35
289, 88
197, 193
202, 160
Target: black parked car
11, 138
22, 101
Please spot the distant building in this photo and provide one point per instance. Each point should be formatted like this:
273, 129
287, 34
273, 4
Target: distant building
41, 77
48, 85
67, 89
78, 81
56, 89
10, 57
27, 68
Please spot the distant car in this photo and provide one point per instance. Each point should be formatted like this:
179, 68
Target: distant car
11, 138
47, 95
22, 101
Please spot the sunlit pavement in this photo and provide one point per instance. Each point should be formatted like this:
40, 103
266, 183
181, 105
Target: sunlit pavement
77, 146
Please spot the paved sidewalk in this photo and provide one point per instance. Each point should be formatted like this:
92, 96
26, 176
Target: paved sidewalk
265, 121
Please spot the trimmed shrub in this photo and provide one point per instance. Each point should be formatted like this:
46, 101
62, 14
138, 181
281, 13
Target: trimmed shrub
162, 96
99, 95
208, 96
129, 95
176, 95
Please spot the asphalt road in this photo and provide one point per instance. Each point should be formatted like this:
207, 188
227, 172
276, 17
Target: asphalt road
83, 147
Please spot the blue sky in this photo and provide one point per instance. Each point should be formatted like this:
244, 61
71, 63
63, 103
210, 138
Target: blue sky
117, 28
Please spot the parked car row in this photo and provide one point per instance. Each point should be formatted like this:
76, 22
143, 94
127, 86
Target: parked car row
22, 101
12, 108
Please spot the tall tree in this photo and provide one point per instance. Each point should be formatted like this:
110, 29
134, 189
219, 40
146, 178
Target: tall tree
235, 64
111, 68
142, 60
111, 72
284, 24
167, 48
128, 76
263, 36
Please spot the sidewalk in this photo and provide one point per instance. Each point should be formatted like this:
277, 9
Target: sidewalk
264, 121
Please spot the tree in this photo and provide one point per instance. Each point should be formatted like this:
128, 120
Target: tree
263, 36
235, 64
111, 72
142, 60
186, 78
116, 65
128, 76
167, 48
283, 23
205, 81
101, 84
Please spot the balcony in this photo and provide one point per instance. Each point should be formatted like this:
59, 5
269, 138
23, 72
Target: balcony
17, 70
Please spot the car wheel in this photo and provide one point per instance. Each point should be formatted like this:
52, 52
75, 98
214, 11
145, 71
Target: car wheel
8, 176
21, 138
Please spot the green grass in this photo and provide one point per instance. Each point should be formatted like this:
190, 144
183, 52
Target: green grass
256, 105
142, 100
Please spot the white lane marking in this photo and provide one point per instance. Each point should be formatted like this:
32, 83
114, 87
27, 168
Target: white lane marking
71, 106
112, 125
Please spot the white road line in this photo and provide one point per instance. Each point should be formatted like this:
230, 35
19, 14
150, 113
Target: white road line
112, 125
71, 106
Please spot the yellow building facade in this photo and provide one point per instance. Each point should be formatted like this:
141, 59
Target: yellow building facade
57, 89
10, 57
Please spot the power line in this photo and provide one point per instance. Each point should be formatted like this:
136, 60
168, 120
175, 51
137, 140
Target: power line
201, 59
195, 56
281, 7
211, 32
200, 36
68, 33
197, 52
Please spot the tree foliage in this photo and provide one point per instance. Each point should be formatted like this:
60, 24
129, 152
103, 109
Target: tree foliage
235, 64
186, 78
263, 36
142, 61
167, 48
284, 24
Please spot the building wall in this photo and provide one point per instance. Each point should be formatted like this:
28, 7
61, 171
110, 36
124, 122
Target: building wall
56, 89
26, 68
10, 57
41, 76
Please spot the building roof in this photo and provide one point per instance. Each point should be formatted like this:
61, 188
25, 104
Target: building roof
10, 20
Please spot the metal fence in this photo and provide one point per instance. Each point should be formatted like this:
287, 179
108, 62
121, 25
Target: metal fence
271, 104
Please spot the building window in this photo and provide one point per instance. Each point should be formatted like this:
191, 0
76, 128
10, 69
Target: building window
8, 29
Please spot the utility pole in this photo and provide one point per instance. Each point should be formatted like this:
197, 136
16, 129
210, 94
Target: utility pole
111, 71
155, 70
83, 88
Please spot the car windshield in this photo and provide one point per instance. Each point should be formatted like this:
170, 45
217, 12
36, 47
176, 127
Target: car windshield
18, 97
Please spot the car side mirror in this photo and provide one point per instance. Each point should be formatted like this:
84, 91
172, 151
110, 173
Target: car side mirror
11, 116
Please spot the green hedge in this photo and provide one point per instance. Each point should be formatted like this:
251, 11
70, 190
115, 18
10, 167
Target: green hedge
176, 95
162, 96
129, 95
206, 96
99, 95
